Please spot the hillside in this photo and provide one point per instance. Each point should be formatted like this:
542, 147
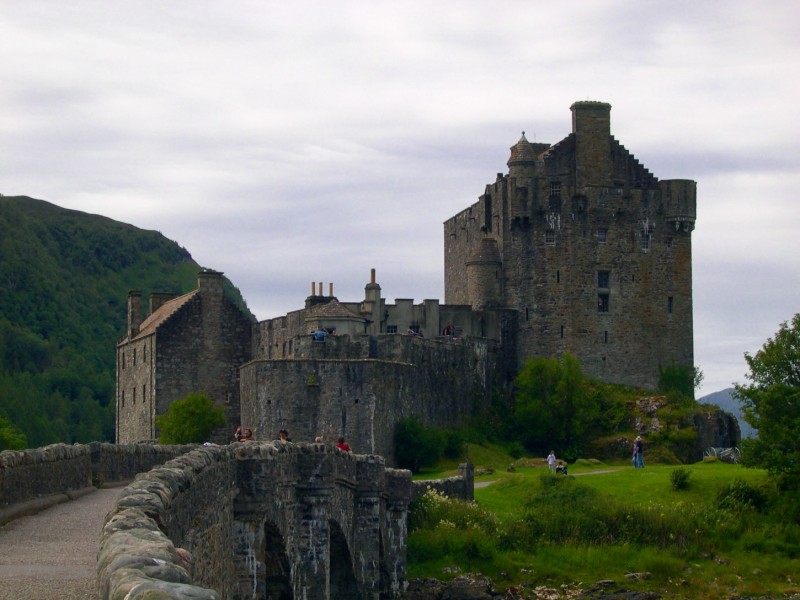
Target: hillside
64, 279
725, 400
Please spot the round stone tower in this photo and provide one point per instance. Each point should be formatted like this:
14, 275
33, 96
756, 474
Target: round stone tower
484, 275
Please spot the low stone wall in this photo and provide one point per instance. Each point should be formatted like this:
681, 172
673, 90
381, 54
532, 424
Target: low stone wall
191, 497
461, 486
222, 522
32, 480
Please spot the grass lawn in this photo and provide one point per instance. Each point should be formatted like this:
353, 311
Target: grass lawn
716, 554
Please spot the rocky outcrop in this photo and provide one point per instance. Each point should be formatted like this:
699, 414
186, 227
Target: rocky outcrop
716, 429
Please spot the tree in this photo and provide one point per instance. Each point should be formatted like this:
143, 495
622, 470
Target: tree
417, 446
190, 420
11, 438
554, 409
679, 379
771, 402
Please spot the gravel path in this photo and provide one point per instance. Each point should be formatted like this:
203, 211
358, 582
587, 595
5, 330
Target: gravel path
51, 555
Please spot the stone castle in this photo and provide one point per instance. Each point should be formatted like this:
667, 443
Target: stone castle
578, 248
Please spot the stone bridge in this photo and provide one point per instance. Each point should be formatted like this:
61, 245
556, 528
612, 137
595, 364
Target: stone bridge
259, 520
253, 520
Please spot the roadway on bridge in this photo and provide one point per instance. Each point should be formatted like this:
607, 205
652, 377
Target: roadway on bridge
52, 555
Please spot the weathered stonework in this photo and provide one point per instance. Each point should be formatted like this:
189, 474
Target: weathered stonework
32, 480
578, 248
259, 520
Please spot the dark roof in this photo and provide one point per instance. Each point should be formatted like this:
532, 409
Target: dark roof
331, 310
164, 312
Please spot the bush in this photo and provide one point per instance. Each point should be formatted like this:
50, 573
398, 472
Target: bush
739, 495
190, 420
417, 446
679, 478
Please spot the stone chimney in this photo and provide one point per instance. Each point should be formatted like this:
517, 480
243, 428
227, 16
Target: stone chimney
209, 282
158, 299
134, 313
591, 125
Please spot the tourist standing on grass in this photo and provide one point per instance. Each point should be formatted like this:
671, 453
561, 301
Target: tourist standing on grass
638, 453
551, 461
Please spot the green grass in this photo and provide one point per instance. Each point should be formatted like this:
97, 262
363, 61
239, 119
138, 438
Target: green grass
607, 521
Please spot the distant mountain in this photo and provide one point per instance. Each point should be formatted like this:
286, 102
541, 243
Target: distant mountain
64, 280
726, 401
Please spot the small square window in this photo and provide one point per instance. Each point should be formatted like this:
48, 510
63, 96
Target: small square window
391, 329
550, 237
602, 234
602, 303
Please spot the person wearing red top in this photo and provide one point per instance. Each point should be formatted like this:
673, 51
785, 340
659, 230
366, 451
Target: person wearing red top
342, 445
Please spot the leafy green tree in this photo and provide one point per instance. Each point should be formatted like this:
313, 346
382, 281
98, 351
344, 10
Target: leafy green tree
554, 409
11, 438
679, 379
771, 402
417, 446
190, 420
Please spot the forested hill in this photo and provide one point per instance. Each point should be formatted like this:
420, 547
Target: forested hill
64, 280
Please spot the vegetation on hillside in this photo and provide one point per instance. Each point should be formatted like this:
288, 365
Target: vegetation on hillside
721, 530
556, 407
64, 279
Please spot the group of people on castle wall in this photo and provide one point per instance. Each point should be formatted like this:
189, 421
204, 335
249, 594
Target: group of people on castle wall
246, 435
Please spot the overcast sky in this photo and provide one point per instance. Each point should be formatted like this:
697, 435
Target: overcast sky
290, 142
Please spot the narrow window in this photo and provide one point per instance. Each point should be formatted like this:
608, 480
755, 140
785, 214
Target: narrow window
527, 314
550, 237
562, 332
601, 236
605, 337
669, 305
668, 242
644, 242
558, 276
134, 394
123, 398
602, 279
134, 357
123, 360
144, 393
144, 354
602, 303
555, 189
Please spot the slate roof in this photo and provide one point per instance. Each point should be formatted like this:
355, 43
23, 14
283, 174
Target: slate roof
332, 310
164, 312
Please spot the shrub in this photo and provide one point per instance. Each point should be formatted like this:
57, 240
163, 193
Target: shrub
190, 420
740, 495
434, 508
416, 445
679, 478
516, 450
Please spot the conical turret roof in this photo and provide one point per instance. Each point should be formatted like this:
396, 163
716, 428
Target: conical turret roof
522, 152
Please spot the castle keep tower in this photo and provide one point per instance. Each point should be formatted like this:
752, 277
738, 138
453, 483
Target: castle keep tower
593, 253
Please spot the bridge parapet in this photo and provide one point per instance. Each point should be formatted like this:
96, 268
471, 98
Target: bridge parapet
259, 520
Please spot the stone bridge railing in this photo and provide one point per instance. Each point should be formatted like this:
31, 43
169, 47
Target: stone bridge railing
259, 520
31, 480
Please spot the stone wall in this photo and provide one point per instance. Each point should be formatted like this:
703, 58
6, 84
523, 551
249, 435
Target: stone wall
461, 486
31, 480
442, 382
258, 520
